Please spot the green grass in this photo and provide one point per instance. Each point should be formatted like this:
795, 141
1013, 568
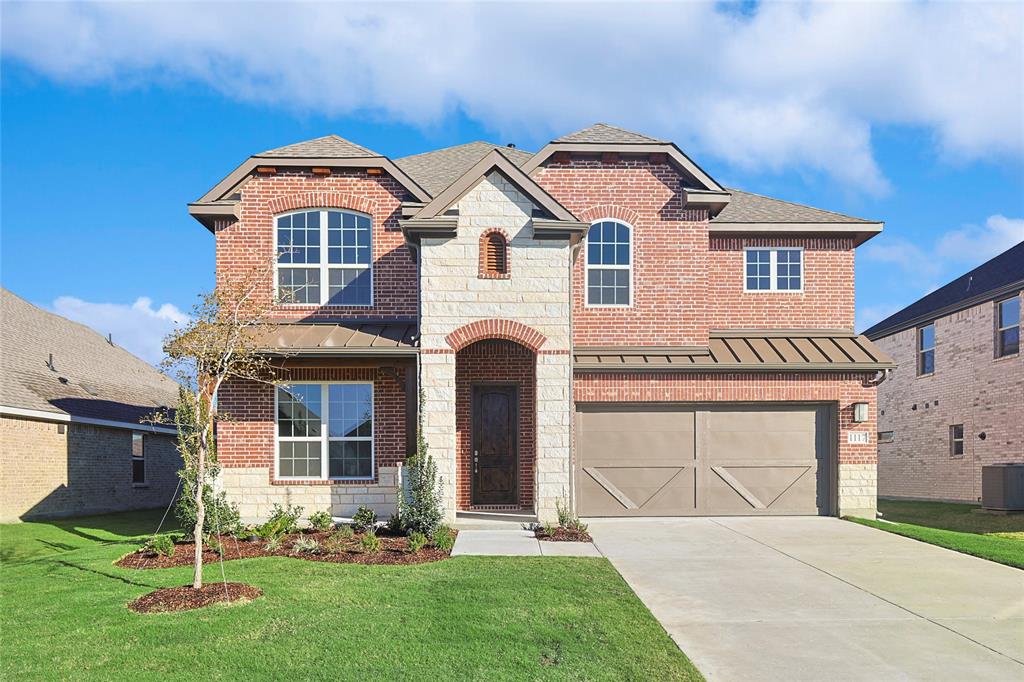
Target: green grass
958, 527
63, 616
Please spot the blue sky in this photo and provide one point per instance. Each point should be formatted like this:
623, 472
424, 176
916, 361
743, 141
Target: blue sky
113, 119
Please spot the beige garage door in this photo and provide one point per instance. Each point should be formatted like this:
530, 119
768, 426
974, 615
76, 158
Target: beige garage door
651, 460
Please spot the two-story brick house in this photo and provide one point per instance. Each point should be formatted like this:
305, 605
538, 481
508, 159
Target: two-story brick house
956, 402
600, 323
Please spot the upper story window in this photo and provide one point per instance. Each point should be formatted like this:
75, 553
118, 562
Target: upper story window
774, 269
323, 258
609, 259
325, 431
494, 256
1008, 327
926, 349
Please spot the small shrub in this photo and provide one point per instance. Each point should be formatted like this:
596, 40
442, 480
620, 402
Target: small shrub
321, 521
213, 543
221, 516
567, 519
417, 541
306, 545
242, 532
274, 543
395, 524
420, 499
274, 529
338, 541
370, 543
443, 538
364, 518
288, 516
161, 545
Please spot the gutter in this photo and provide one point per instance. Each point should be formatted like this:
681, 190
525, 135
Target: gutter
63, 417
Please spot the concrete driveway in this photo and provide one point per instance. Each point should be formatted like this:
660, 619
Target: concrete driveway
820, 599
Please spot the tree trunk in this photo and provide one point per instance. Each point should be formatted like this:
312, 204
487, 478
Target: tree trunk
197, 576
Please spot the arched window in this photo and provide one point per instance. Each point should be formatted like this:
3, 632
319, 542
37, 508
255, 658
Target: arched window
324, 258
494, 255
609, 264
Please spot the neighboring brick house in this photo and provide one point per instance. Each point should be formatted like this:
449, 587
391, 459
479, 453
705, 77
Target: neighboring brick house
599, 323
956, 401
71, 440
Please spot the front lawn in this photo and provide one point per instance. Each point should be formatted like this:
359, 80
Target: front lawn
63, 616
994, 537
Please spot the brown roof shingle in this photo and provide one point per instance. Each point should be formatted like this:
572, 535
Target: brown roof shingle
326, 147
90, 377
435, 171
746, 207
602, 133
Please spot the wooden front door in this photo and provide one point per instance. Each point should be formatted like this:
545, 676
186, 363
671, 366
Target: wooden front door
495, 452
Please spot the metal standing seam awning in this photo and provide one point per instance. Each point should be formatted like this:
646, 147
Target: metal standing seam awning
346, 339
745, 351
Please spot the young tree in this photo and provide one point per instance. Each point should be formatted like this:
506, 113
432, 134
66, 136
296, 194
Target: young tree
220, 342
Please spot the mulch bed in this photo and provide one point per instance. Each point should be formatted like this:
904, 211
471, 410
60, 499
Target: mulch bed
560, 534
393, 550
185, 597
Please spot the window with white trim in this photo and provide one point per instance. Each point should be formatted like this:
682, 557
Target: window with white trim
609, 259
956, 440
1008, 327
325, 431
138, 458
773, 269
324, 258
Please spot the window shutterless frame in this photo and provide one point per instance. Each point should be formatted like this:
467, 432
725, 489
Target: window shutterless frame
138, 458
926, 350
628, 268
324, 267
1007, 340
773, 269
956, 440
325, 439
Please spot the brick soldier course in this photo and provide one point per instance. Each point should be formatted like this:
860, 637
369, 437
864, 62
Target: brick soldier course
435, 221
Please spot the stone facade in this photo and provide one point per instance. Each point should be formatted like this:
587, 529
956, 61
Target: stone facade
85, 469
532, 302
970, 386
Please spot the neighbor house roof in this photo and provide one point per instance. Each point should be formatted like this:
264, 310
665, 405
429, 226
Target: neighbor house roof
999, 277
89, 379
436, 170
758, 351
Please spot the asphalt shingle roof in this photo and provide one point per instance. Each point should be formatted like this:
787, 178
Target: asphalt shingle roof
602, 133
435, 171
91, 377
746, 207
995, 275
326, 147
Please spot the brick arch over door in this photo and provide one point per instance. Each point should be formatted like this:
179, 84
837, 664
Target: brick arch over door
509, 330
342, 200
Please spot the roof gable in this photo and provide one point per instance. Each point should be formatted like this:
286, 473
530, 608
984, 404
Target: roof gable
436, 170
326, 147
602, 133
999, 276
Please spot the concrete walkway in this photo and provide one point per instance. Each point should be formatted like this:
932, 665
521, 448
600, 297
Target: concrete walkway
820, 599
516, 543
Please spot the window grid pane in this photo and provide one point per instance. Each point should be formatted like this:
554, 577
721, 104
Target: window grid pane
347, 442
338, 244
608, 264
759, 270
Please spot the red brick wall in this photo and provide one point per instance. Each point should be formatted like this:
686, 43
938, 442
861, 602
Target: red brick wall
247, 246
246, 437
844, 389
494, 361
670, 245
825, 303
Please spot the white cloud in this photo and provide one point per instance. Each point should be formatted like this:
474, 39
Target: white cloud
139, 328
867, 316
785, 86
981, 242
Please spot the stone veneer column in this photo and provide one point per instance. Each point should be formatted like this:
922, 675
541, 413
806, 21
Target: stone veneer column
858, 490
437, 379
554, 412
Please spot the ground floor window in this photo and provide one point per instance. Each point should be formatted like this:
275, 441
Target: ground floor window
325, 430
956, 440
138, 458
886, 436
